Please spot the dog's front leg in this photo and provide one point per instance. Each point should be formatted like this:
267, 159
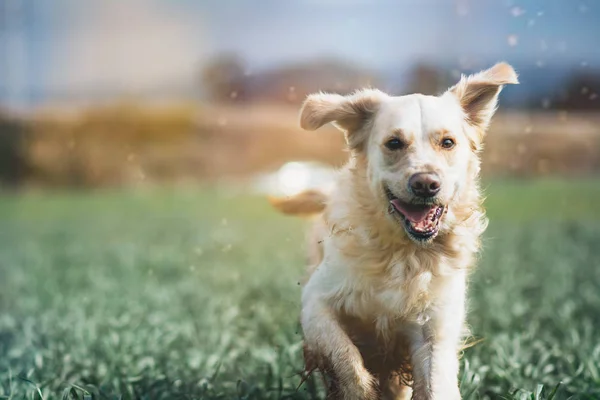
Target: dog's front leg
435, 366
335, 352
435, 346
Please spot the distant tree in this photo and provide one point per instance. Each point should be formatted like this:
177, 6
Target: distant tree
426, 79
582, 92
223, 78
13, 160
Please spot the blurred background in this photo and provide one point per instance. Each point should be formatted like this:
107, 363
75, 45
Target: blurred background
143, 92
139, 257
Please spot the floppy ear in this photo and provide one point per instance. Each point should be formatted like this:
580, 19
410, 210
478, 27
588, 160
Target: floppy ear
348, 113
478, 94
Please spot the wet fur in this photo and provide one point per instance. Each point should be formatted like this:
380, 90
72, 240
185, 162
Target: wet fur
382, 313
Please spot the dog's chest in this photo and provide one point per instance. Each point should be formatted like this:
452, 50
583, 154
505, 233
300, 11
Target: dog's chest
398, 293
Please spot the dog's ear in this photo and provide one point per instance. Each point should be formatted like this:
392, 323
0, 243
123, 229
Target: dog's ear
348, 113
478, 94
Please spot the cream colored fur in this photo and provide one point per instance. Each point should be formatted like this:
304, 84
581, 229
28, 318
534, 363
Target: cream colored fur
381, 312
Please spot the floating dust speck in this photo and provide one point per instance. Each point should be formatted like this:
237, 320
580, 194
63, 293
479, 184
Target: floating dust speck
540, 64
585, 90
192, 268
546, 103
462, 9
584, 64
593, 96
224, 222
531, 22
291, 94
528, 129
227, 248
583, 8
517, 11
131, 157
233, 95
513, 40
222, 121
199, 251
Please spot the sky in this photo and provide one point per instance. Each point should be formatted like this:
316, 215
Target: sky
75, 47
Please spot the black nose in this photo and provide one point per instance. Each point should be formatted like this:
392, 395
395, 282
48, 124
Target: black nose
425, 184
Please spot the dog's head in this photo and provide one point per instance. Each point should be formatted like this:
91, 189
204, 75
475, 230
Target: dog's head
420, 151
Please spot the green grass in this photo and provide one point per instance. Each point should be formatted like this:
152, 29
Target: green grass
195, 295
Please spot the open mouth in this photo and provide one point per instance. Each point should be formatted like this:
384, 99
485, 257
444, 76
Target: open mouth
421, 221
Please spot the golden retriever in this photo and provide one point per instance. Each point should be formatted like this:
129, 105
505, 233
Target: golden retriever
383, 310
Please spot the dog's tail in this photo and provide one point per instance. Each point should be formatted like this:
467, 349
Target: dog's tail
306, 203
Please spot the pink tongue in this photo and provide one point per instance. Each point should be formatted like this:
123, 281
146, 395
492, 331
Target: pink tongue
415, 213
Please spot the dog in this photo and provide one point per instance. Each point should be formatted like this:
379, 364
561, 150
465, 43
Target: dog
383, 307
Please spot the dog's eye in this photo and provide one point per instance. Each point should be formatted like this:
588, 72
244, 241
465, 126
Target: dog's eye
448, 143
394, 144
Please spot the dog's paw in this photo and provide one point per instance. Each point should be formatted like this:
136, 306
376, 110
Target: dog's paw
364, 387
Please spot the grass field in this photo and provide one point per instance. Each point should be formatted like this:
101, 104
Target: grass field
194, 295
